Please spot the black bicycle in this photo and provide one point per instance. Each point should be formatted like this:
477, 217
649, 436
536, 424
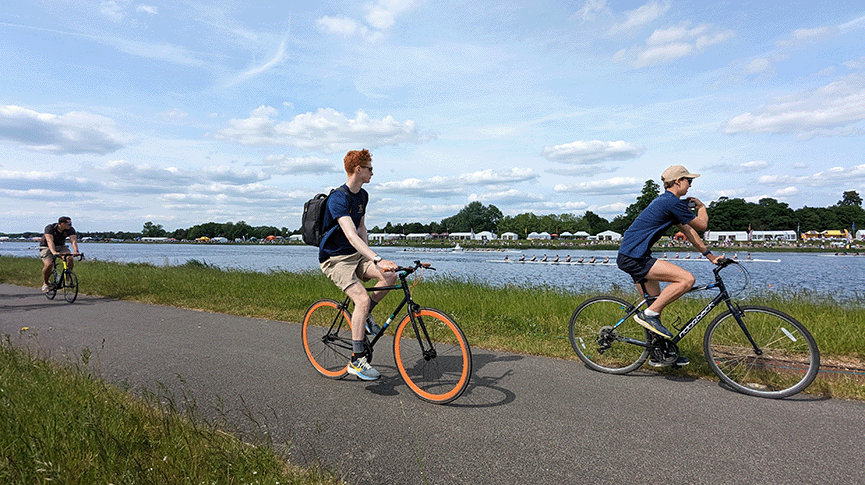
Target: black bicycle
755, 350
63, 279
431, 352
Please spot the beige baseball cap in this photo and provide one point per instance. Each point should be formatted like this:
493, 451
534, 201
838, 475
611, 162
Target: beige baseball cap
676, 172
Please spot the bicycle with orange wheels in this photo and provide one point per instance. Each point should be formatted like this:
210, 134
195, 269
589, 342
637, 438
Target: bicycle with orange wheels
431, 352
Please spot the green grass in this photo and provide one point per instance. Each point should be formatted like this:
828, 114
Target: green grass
59, 424
512, 318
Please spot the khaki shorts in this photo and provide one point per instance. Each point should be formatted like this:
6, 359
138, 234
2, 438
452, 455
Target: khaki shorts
46, 253
346, 270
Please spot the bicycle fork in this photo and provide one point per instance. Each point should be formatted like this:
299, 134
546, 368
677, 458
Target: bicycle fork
737, 314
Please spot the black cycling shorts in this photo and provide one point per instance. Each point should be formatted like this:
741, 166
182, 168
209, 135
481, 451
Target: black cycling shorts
638, 268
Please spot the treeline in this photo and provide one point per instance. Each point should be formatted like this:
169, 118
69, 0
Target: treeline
725, 214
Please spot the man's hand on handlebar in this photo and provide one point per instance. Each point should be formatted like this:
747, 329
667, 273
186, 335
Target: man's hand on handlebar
387, 266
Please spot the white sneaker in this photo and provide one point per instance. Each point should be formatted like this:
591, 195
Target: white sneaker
44, 288
363, 370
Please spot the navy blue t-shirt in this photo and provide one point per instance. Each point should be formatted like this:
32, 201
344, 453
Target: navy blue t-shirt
341, 203
653, 222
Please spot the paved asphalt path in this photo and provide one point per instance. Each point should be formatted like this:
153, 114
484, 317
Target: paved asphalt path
524, 419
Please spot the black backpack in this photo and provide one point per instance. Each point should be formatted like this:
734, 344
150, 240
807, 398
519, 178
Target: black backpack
311, 228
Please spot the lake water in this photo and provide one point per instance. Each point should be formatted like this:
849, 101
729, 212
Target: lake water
817, 275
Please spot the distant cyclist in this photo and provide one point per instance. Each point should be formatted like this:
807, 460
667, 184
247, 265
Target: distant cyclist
347, 260
53, 244
635, 253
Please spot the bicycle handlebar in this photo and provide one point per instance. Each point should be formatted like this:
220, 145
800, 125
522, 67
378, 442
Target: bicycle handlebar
411, 269
723, 263
80, 256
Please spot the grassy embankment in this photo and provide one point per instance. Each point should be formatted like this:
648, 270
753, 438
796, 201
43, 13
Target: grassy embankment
513, 318
525, 320
60, 424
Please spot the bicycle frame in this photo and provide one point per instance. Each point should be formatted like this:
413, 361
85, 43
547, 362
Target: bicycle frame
721, 297
428, 349
61, 267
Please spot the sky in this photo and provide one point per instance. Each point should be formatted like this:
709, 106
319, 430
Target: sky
118, 113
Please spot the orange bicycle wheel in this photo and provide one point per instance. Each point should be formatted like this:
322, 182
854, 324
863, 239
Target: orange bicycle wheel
438, 372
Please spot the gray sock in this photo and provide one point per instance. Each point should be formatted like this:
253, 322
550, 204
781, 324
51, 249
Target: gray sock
357, 346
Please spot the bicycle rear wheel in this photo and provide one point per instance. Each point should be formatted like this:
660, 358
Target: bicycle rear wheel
788, 360
437, 373
598, 344
70, 286
327, 338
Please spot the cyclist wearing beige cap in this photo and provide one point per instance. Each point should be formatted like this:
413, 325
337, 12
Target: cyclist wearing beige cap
635, 253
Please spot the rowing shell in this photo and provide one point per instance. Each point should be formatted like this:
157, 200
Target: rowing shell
572, 263
736, 260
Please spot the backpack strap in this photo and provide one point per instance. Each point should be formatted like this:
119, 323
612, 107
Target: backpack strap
335, 227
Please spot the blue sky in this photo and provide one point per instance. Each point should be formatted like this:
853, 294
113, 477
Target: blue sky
121, 112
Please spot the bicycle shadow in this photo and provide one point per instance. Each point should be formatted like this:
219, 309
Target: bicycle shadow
482, 391
43, 302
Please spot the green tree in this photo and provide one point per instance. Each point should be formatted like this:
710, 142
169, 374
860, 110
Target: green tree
729, 214
152, 230
476, 217
595, 223
770, 215
851, 197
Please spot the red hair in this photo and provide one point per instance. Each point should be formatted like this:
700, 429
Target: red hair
356, 158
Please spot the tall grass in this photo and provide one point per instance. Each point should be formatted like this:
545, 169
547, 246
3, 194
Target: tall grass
59, 424
531, 320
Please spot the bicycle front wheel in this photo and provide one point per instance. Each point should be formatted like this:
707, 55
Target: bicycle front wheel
786, 360
602, 345
52, 285
432, 356
327, 338
70, 286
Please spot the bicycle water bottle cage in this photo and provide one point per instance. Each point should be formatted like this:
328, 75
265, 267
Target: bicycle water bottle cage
677, 324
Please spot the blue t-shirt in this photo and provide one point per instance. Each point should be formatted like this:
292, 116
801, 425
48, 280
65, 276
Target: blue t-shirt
653, 222
341, 203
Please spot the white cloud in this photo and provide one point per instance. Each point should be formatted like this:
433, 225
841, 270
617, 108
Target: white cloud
338, 25
835, 175
47, 183
615, 185
591, 9
172, 115
510, 195
380, 16
787, 192
73, 132
449, 186
641, 16
147, 9
855, 64
838, 104
285, 165
746, 167
758, 66
493, 176
593, 151
667, 45
280, 55
326, 130
433, 187
111, 10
